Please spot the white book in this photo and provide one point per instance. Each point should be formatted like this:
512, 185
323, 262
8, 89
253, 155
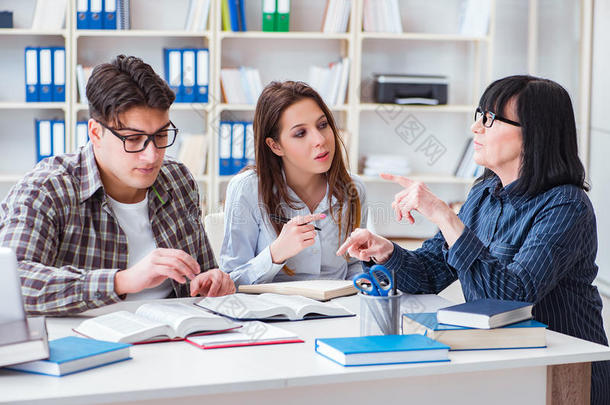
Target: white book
231, 83
346, 12
474, 20
193, 152
396, 21
331, 16
343, 81
322, 290
152, 322
268, 306
335, 77
251, 333
49, 15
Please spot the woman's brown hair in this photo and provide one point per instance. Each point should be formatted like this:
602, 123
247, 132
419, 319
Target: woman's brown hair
273, 101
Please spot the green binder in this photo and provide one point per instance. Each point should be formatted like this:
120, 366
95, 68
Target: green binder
269, 15
283, 16
226, 18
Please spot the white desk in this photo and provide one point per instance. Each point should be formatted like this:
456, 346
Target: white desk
295, 374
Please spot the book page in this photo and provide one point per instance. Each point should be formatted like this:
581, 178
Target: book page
246, 306
121, 326
250, 332
183, 318
302, 306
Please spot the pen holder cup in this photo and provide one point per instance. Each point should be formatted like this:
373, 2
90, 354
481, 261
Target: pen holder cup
379, 315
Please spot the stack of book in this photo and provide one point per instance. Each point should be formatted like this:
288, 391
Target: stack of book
480, 324
193, 152
336, 16
233, 15
331, 82
240, 85
49, 15
381, 16
83, 73
383, 163
197, 15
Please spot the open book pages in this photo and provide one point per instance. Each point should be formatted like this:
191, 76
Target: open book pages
271, 307
322, 290
250, 334
156, 321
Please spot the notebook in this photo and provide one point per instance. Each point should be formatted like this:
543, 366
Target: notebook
524, 334
485, 313
382, 349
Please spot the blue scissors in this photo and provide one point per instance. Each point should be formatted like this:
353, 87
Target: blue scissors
377, 282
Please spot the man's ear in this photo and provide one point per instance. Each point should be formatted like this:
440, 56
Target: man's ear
95, 131
274, 146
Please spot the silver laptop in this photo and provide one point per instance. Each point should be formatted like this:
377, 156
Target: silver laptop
11, 302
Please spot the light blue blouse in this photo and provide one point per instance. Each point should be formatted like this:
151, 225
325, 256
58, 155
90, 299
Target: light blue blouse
248, 233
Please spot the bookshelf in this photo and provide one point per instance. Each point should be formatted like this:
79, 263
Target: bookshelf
470, 62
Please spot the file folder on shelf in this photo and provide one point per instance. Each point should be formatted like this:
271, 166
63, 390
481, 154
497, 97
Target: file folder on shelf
44, 139
234, 15
95, 14
59, 74
283, 16
109, 15
82, 11
237, 146
224, 150
32, 75
188, 75
173, 71
269, 15
226, 18
59, 137
82, 134
249, 155
202, 76
45, 66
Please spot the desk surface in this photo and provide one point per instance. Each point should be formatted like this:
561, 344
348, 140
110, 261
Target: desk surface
178, 369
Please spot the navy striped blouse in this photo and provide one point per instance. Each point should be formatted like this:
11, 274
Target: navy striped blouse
537, 249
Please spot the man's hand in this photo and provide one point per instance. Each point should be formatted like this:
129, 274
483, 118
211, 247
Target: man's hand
362, 244
212, 283
156, 267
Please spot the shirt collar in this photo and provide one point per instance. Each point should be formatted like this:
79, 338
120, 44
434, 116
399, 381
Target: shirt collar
494, 188
91, 181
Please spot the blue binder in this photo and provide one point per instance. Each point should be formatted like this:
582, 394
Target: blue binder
225, 166
109, 15
32, 75
82, 11
44, 139
202, 78
59, 74
242, 16
238, 141
45, 77
249, 155
94, 15
173, 71
188, 75
234, 15
58, 130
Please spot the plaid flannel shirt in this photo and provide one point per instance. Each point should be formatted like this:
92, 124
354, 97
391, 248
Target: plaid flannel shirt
68, 243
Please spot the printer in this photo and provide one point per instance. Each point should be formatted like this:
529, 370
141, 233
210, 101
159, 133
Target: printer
410, 89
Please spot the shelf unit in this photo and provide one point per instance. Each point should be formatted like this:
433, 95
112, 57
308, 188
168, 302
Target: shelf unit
287, 55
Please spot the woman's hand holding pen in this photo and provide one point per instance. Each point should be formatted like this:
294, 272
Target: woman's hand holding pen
296, 235
416, 196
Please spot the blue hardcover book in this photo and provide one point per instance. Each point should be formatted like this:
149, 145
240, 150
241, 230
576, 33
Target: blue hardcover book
188, 75
109, 15
234, 15
485, 313
385, 349
45, 79
44, 139
202, 65
173, 71
82, 13
73, 354
242, 16
32, 75
94, 15
59, 74
520, 335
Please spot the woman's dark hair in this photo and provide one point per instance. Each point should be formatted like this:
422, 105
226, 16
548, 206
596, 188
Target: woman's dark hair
273, 101
550, 145
125, 82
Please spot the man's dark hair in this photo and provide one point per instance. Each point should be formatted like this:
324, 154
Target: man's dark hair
125, 82
550, 144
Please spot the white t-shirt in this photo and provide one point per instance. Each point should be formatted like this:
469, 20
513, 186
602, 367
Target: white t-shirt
135, 223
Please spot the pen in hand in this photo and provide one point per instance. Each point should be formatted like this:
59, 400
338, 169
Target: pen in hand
283, 220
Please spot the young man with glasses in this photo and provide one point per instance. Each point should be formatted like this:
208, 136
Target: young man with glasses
116, 220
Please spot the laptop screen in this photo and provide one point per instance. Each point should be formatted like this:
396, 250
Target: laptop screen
11, 302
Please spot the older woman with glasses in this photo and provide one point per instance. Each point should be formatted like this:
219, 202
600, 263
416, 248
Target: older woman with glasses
526, 231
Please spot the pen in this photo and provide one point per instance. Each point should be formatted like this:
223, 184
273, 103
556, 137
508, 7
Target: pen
283, 220
394, 292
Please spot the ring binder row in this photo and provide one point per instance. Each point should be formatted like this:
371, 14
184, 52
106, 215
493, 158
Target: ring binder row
187, 73
276, 15
45, 74
103, 14
51, 137
235, 147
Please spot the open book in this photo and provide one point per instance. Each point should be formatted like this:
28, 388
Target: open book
245, 307
153, 322
250, 334
322, 290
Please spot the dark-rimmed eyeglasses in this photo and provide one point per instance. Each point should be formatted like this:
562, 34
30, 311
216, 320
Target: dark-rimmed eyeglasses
138, 141
489, 118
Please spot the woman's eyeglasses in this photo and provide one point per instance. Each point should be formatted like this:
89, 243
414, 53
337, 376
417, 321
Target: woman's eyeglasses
489, 117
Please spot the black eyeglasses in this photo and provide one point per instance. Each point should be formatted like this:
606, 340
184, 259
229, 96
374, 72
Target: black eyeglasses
489, 118
137, 142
